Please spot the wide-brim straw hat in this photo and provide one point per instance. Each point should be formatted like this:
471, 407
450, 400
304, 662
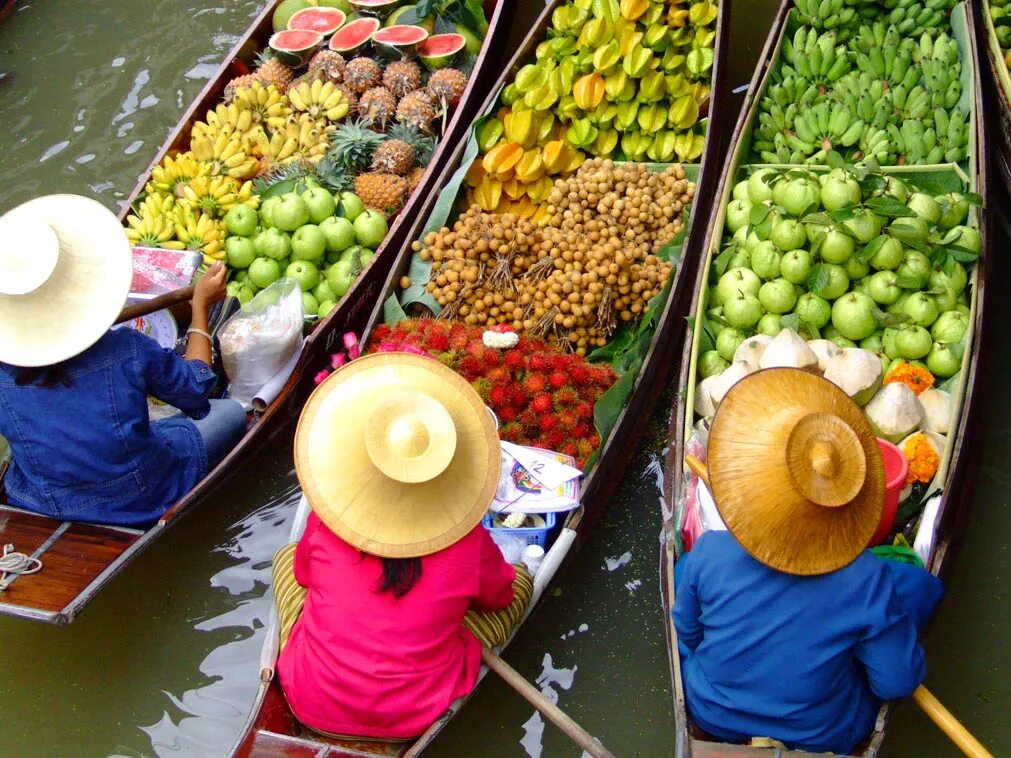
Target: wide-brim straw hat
65, 272
397, 455
796, 471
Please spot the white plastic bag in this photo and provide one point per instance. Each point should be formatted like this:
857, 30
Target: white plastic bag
261, 337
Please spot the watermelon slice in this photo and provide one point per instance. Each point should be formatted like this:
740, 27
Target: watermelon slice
294, 47
323, 20
353, 36
398, 41
440, 50
379, 8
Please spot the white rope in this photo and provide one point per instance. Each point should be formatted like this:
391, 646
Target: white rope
12, 562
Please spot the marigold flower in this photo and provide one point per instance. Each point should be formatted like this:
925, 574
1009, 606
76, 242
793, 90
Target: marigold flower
915, 377
923, 459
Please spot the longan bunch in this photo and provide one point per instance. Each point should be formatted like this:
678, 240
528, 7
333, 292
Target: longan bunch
571, 281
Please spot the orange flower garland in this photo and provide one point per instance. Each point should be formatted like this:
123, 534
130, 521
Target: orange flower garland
918, 379
923, 459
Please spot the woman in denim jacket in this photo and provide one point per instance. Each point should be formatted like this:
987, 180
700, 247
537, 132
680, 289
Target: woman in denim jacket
73, 393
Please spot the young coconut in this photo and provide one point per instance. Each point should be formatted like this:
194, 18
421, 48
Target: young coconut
894, 411
923, 451
731, 376
856, 372
826, 350
750, 351
936, 411
704, 405
789, 350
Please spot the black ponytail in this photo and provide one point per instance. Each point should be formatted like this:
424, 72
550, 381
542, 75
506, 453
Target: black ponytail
400, 575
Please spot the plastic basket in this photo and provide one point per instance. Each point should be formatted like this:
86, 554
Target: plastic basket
532, 535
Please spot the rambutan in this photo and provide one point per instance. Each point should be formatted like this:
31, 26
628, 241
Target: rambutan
498, 396
547, 422
585, 449
541, 403
519, 398
470, 368
499, 375
506, 414
528, 419
514, 360
511, 431
585, 409
558, 379
540, 362
555, 438
580, 431
534, 383
569, 448
475, 349
579, 374
492, 357
482, 387
459, 336
603, 376
560, 363
438, 342
567, 418
566, 397
380, 333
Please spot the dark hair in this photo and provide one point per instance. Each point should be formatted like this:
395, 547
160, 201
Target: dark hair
48, 377
400, 575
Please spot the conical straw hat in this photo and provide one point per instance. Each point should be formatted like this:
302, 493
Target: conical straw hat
796, 471
397, 455
65, 272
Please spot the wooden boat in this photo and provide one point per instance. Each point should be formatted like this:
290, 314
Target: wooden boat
271, 729
79, 559
946, 509
998, 94
6, 8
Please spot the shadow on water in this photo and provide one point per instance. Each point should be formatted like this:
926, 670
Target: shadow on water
165, 660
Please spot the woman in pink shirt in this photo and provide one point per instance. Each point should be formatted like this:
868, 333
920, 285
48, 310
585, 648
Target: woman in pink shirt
399, 459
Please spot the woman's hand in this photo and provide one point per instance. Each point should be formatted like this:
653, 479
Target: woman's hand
210, 288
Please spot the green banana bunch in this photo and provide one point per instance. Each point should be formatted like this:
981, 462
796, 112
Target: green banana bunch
876, 144
825, 127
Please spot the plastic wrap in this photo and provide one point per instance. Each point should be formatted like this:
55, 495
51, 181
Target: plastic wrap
260, 338
269, 391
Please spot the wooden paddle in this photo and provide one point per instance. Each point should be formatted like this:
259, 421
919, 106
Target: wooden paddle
556, 715
136, 310
921, 695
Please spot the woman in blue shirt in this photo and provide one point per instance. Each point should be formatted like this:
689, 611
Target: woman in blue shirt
787, 627
73, 393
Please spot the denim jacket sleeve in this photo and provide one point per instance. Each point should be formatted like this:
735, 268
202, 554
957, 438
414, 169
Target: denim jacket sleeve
185, 384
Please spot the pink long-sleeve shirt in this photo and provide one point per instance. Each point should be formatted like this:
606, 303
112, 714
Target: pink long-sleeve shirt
365, 663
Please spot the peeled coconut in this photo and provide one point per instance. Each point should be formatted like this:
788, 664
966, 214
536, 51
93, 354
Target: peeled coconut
704, 405
894, 411
750, 351
826, 350
936, 411
789, 350
856, 372
731, 376
935, 440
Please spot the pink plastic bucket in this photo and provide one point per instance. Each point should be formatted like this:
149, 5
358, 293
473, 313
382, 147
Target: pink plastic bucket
896, 471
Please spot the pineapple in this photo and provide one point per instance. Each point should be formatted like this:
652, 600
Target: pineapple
416, 110
362, 74
393, 157
384, 192
352, 146
447, 85
377, 106
332, 175
271, 71
423, 145
402, 77
328, 65
236, 84
415, 176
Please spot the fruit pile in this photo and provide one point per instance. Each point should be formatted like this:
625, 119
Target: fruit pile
873, 262
594, 263
627, 80
882, 82
276, 124
319, 240
541, 397
1000, 16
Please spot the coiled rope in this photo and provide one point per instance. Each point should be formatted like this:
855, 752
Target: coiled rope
12, 562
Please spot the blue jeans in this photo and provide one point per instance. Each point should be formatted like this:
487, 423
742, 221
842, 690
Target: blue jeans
221, 429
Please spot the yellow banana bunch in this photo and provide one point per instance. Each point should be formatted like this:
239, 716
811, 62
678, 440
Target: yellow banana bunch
152, 225
172, 171
319, 100
214, 196
224, 149
301, 138
266, 105
198, 231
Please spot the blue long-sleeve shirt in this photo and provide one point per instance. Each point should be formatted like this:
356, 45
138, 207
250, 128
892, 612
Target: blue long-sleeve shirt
805, 660
87, 452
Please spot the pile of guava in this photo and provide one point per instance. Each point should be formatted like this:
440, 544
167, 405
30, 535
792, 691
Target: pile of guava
863, 259
319, 239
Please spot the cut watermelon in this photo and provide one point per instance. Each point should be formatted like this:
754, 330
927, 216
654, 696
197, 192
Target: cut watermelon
398, 41
294, 47
323, 20
354, 35
380, 8
439, 50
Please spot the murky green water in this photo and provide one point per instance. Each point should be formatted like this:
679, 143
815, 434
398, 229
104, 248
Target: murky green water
165, 660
